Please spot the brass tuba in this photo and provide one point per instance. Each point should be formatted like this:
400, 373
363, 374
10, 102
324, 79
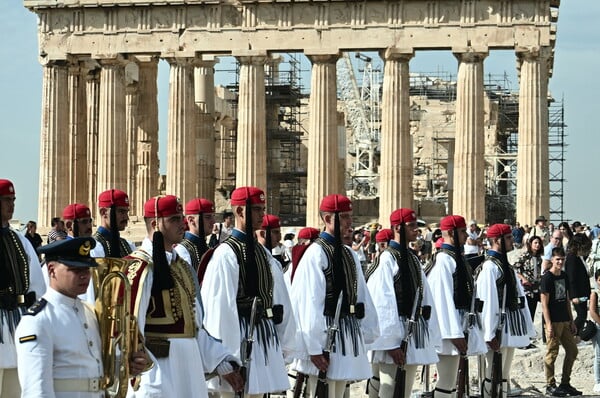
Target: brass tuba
118, 326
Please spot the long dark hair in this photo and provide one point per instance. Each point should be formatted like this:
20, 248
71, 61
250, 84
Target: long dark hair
579, 245
540, 251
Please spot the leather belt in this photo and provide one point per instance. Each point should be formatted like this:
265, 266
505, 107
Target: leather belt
77, 385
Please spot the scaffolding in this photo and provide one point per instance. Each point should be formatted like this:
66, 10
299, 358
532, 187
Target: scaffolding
286, 176
556, 155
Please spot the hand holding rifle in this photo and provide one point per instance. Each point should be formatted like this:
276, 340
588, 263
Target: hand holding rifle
246, 348
322, 361
400, 379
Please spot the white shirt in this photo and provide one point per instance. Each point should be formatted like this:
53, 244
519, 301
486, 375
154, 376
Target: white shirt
64, 344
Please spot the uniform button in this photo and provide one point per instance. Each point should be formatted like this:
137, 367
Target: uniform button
85, 325
76, 309
97, 360
91, 343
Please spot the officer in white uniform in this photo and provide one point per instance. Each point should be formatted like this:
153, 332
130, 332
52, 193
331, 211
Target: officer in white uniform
58, 340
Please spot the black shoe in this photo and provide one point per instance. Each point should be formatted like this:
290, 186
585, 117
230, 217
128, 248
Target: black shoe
554, 391
570, 389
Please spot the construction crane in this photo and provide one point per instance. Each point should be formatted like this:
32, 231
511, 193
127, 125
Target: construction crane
363, 115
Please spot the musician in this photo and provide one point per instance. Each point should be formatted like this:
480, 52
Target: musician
329, 266
200, 216
113, 206
496, 281
169, 313
58, 340
452, 287
21, 284
395, 281
240, 270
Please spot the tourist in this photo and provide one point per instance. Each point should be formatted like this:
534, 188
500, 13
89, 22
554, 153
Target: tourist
32, 236
595, 315
577, 276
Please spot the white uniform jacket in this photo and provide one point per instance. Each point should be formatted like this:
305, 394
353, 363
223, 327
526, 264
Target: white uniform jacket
61, 341
450, 319
488, 292
8, 351
181, 374
308, 299
267, 372
392, 325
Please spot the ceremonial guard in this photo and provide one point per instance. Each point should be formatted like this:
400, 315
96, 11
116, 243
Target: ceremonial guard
269, 236
330, 270
21, 283
78, 220
239, 274
58, 340
306, 236
200, 216
169, 313
403, 301
114, 217
505, 317
452, 286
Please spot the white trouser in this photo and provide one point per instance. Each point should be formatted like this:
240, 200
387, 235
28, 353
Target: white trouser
387, 380
447, 369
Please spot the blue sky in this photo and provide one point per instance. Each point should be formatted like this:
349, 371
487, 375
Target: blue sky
575, 78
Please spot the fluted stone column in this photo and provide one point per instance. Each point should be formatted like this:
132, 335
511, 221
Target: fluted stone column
112, 151
92, 93
54, 139
396, 166
533, 185
469, 162
78, 174
131, 140
274, 159
322, 174
181, 156
251, 129
204, 80
147, 133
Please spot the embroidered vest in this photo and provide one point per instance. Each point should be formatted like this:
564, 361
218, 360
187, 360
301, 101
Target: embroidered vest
171, 314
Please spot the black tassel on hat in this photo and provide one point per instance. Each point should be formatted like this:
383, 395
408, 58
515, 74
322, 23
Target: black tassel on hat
76, 228
462, 294
115, 242
408, 288
251, 267
161, 272
339, 275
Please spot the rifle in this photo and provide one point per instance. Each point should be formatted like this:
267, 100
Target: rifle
246, 348
497, 358
322, 388
299, 385
463, 364
400, 379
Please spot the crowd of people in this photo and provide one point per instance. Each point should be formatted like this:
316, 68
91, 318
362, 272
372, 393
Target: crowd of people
231, 307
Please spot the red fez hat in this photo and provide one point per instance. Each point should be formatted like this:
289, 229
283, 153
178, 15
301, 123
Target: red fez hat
450, 222
439, 243
6, 188
384, 235
162, 206
497, 230
335, 203
270, 221
240, 195
308, 233
75, 211
402, 215
113, 197
199, 206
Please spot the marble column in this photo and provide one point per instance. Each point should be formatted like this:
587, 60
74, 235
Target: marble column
131, 140
533, 173
78, 185
112, 151
204, 80
147, 133
53, 194
251, 129
92, 93
469, 162
396, 165
274, 157
181, 142
322, 174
